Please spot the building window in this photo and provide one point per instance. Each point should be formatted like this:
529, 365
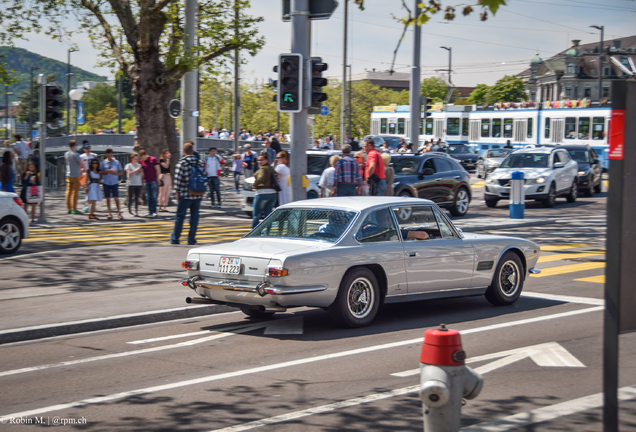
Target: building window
508, 128
485, 128
576, 92
400, 129
607, 71
584, 128
598, 132
593, 72
570, 127
571, 69
496, 128
383, 126
533, 96
587, 92
568, 92
606, 92
529, 128
547, 127
465, 127
452, 126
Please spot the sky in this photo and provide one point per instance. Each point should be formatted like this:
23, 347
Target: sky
482, 52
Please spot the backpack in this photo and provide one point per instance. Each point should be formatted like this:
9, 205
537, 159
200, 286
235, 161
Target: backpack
198, 180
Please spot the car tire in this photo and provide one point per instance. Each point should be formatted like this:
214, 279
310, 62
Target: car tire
551, 199
406, 194
256, 314
589, 192
574, 192
358, 299
249, 214
492, 203
461, 203
507, 282
10, 235
598, 188
312, 195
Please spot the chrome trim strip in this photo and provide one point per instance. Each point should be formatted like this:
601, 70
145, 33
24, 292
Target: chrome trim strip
259, 289
534, 271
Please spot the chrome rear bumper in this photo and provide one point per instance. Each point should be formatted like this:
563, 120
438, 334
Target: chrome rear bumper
534, 271
261, 289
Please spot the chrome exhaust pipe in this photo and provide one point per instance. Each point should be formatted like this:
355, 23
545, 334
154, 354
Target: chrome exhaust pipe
272, 309
198, 300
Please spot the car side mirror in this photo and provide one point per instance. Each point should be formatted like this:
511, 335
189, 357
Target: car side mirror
428, 171
558, 165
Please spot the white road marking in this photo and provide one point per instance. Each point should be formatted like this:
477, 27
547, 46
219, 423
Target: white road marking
177, 336
549, 412
567, 299
211, 378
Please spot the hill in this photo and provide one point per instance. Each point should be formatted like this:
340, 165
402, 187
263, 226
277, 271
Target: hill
22, 60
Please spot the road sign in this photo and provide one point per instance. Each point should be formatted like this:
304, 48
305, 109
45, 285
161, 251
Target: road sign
195, 113
80, 113
174, 108
324, 110
318, 9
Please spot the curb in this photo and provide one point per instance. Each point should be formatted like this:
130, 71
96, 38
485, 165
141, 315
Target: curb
62, 329
506, 226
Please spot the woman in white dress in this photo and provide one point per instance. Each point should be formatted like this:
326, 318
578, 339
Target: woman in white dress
283, 171
93, 192
326, 179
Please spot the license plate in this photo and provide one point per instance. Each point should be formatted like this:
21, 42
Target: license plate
230, 265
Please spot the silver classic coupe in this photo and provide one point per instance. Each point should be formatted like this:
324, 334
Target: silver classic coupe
350, 255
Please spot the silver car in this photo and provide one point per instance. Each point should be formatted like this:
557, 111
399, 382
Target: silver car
489, 160
350, 255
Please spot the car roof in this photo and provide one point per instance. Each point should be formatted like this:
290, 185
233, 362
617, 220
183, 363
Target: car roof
357, 203
536, 150
324, 152
575, 146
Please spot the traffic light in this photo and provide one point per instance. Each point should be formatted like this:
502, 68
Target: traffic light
289, 83
428, 106
316, 83
53, 103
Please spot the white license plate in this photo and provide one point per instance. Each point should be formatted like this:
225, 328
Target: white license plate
230, 265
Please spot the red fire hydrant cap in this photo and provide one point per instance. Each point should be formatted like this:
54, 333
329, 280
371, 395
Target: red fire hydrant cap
442, 347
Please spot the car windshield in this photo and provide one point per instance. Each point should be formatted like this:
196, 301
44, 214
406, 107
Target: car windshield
305, 224
497, 153
405, 165
460, 149
316, 164
579, 155
526, 160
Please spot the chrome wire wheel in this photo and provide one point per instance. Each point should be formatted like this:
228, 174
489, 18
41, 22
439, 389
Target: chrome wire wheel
9, 236
509, 277
360, 297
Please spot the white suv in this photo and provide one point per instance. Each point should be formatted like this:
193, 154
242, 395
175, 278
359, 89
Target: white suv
14, 223
547, 172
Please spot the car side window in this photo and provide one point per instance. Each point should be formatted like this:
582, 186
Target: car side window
443, 165
378, 226
417, 218
444, 228
428, 163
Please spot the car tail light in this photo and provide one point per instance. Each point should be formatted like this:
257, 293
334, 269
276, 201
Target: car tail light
277, 271
190, 265
18, 201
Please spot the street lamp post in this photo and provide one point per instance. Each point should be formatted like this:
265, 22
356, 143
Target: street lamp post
68, 88
450, 56
31, 104
600, 63
8, 116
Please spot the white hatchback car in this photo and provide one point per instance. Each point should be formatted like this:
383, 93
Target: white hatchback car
14, 223
547, 172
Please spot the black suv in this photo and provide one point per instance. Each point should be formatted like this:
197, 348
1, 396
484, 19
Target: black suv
464, 154
433, 176
590, 169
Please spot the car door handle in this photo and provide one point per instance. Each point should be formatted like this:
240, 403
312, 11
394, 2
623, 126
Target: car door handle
457, 177
438, 179
411, 254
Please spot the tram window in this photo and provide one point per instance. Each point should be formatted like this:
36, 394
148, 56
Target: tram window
547, 127
400, 129
429, 126
507, 128
392, 128
496, 128
452, 126
570, 127
584, 128
465, 127
598, 132
485, 128
421, 128
383, 126
529, 128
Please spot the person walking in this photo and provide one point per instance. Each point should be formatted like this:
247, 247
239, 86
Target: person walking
73, 173
282, 173
326, 181
213, 167
135, 182
22, 151
30, 178
360, 157
374, 175
389, 173
151, 170
7, 172
165, 181
186, 200
269, 151
111, 170
265, 197
347, 178
237, 167
249, 159
86, 157
93, 179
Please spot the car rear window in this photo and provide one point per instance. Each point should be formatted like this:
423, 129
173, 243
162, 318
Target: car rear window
305, 224
526, 160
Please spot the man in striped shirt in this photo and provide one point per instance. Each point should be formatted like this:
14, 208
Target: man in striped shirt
347, 177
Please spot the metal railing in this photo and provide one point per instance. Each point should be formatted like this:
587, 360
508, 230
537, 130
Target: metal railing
51, 178
102, 140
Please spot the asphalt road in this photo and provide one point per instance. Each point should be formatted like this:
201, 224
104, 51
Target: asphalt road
298, 371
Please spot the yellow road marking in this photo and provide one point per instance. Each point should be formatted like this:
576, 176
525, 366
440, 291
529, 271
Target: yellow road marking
553, 271
606, 183
559, 257
478, 185
595, 279
563, 246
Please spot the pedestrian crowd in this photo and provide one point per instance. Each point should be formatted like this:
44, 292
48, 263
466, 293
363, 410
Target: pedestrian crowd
22, 162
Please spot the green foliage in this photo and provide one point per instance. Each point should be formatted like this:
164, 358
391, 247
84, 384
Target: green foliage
98, 97
479, 95
508, 89
102, 118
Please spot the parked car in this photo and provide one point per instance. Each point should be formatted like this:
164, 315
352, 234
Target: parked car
14, 223
549, 172
350, 255
464, 153
489, 160
317, 162
590, 170
434, 176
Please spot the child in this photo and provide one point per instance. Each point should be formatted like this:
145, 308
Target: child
29, 178
93, 192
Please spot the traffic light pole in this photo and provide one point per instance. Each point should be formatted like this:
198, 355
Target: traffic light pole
42, 167
415, 98
189, 82
301, 29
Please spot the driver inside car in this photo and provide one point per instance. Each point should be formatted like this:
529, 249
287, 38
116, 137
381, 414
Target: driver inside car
382, 229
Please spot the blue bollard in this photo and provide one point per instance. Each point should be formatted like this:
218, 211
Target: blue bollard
517, 196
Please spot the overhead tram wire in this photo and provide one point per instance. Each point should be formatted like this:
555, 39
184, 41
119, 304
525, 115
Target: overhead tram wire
546, 21
605, 8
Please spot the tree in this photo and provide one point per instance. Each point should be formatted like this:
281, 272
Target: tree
508, 89
99, 96
480, 94
434, 88
103, 118
151, 52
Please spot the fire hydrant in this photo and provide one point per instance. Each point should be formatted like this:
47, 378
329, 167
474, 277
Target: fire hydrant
445, 379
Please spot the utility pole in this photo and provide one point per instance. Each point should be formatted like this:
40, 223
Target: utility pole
68, 89
190, 80
350, 102
450, 56
415, 98
237, 87
119, 91
31, 105
6, 112
343, 99
600, 63
301, 30
42, 167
